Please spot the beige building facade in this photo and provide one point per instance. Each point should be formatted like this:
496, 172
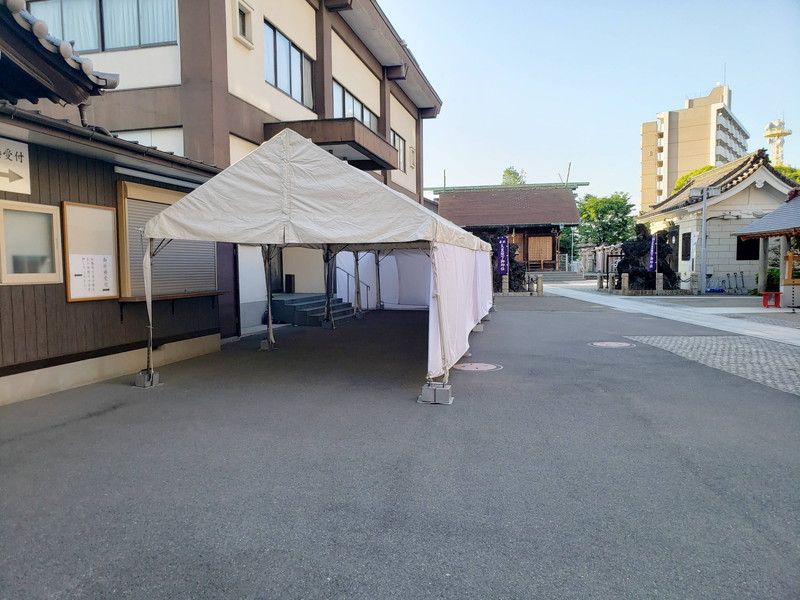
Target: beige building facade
704, 132
213, 79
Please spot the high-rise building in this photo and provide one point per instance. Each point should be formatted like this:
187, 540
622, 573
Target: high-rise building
704, 132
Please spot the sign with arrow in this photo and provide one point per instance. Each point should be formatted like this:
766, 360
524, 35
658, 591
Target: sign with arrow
15, 171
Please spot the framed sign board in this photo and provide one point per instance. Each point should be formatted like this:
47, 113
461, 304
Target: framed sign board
90, 252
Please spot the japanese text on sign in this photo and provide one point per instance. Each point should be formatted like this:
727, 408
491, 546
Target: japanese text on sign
15, 173
502, 255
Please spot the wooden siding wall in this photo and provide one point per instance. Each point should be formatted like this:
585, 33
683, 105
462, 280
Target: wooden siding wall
39, 328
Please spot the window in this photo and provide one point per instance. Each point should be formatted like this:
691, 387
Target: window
747, 249
30, 243
286, 66
686, 246
180, 267
243, 23
97, 25
400, 145
346, 106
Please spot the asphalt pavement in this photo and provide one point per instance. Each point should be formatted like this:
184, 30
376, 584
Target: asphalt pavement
595, 463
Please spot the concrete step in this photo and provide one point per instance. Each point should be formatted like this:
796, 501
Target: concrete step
308, 309
341, 313
560, 276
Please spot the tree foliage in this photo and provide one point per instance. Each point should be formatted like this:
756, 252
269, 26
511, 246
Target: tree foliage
513, 177
789, 172
682, 180
605, 220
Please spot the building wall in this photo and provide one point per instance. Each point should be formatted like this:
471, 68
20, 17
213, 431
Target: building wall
405, 124
723, 217
349, 70
239, 148
245, 62
307, 266
649, 160
39, 328
168, 140
163, 66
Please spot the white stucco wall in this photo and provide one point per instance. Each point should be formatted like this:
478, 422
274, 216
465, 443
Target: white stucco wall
404, 123
239, 148
296, 19
168, 140
353, 74
163, 66
728, 213
307, 267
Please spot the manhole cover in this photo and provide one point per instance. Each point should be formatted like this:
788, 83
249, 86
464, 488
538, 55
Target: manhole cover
612, 344
477, 367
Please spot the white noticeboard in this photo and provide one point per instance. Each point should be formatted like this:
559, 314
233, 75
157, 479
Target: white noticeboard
90, 245
15, 169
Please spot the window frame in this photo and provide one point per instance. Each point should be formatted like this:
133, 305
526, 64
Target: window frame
57, 276
401, 150
304, 94
363, 114
243, 17
100, 29
686, 246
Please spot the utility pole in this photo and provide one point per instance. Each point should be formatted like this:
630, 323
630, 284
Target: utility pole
703, 194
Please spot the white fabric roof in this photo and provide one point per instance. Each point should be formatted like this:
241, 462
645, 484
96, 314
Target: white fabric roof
290, 191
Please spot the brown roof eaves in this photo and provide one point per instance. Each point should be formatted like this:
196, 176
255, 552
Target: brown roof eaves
510, 205
35, 64
97, 138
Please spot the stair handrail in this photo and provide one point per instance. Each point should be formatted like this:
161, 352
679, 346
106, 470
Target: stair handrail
353, 277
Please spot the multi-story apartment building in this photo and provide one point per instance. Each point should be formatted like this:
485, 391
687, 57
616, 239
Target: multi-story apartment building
704, 132
212, 79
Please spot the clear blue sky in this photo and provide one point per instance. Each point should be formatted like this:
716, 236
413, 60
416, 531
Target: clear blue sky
539, 84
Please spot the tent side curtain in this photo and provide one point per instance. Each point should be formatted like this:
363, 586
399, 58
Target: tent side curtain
461, 297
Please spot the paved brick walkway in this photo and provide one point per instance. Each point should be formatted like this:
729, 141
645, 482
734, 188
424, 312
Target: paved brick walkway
769, 363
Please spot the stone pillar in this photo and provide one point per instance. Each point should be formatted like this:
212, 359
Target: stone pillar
693, 287
763, 256
505, 284
624, 285
659, 284
599, 281
784, 264
540, 285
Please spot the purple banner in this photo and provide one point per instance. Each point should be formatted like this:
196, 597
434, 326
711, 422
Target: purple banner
502, 255
652, 261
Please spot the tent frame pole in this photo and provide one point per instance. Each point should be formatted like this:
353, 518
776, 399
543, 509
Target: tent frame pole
148, 377
358, 313
266, 255
378, 301
327, 319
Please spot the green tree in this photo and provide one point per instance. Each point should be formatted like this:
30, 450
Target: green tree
605, 220
682, 180
513, 177
789, 172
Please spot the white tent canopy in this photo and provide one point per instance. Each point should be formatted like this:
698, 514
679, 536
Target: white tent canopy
290, 192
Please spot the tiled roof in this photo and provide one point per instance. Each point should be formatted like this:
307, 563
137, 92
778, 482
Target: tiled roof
784, 220
509, 205
35, 64
725, 177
